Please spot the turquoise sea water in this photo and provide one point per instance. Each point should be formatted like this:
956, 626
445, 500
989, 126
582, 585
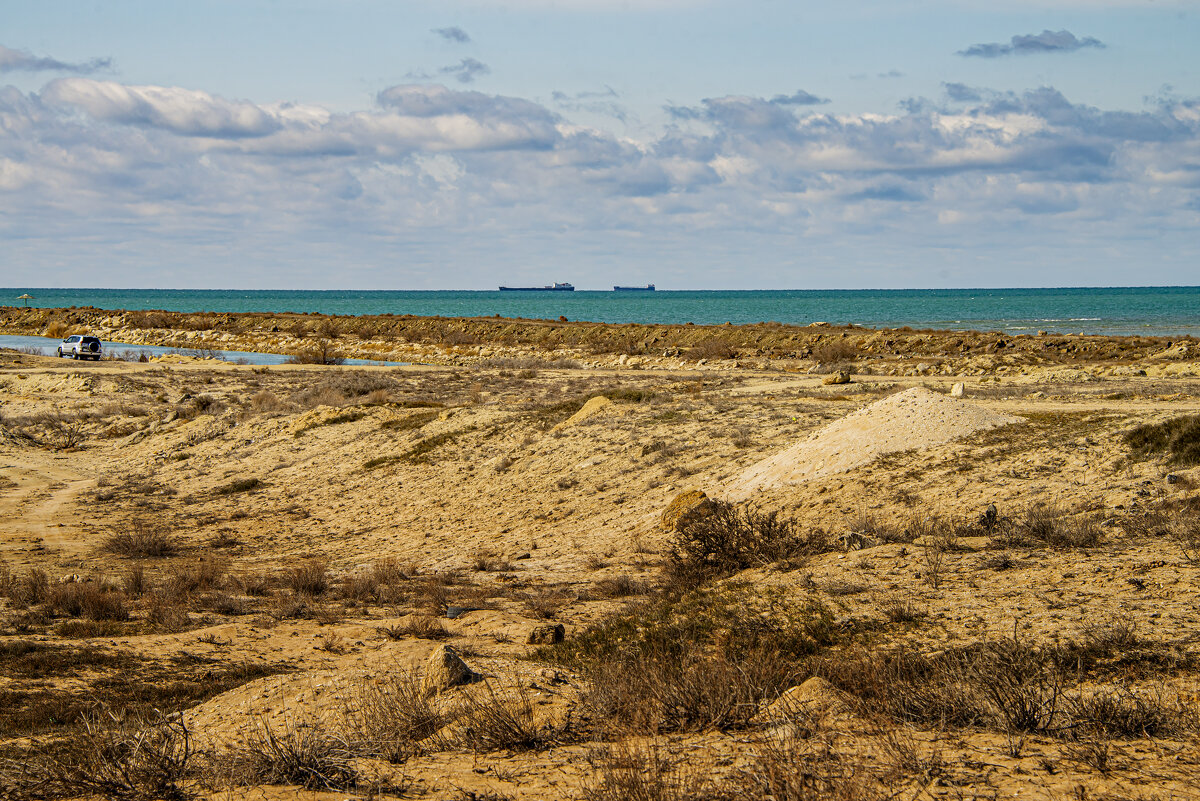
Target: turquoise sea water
1170, 311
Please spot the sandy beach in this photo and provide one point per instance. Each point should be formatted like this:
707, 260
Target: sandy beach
579, 561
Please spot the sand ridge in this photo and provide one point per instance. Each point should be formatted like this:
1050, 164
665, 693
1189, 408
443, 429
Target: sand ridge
913, 419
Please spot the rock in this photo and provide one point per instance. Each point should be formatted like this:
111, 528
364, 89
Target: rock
547, 634
446, 669
1172, 478
687, 506
592, 407
958, 390
837, 377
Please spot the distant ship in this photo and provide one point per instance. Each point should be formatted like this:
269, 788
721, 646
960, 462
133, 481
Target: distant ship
646, 288
556, 287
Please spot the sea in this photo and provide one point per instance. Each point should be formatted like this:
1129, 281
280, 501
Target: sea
1155, 311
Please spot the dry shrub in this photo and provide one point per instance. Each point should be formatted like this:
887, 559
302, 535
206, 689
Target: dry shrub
618, 587
490, 719
142, 541
731, 538
310, 578
203, 574
32, 588
391, 714
322, 352
91, 600
111, 757
835, 351
1177, 439
624, 772
266, 401
704, 660
57, 329
1177, 520
1054, 527
166, 613
711, 349
424, 627
306, 755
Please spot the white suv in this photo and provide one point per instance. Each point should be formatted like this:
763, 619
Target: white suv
81, 347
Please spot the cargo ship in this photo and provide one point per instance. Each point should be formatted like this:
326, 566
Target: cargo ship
646, 288
556, 287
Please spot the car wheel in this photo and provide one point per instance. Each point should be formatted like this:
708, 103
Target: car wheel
60, 353
75, 355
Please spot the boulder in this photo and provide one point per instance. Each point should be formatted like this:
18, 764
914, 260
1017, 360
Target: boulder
547, 634
958, 390
687, 506
446, 669
837, 377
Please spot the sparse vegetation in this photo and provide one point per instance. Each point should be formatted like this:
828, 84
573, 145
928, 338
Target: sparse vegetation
1177, 440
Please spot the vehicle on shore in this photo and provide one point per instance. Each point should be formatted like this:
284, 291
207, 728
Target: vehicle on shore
556, 287
78, 346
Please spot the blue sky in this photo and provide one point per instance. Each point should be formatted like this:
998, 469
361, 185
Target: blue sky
692, 143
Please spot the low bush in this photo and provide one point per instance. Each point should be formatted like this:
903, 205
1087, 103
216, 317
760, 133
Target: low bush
239, 485
142, 541
111, 757
309, 579
730, 538
1177, 439
91, 600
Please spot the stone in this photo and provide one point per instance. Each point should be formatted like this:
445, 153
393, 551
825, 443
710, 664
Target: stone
1172, 478
446, 669
837, 377
688, 506
547, 634
593, 407
958, 390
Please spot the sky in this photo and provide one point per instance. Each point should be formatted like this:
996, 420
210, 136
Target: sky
696, 144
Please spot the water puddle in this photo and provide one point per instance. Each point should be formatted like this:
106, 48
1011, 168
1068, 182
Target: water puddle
121, 350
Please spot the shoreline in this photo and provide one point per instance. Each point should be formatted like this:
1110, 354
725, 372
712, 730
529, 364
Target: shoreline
497, 341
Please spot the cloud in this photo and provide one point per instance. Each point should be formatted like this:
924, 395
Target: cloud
595, 102
1045, 42
459, 179
747, 112
452, 34
24, 61
798, 98
467, 70
961, 93
182, 111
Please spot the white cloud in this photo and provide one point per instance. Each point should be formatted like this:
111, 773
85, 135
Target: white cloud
182, 111
464, 172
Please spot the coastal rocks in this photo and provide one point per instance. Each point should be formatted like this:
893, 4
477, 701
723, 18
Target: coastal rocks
445, 669
547, 634
687, 506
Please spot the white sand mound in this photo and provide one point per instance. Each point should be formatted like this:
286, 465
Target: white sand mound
913, 419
